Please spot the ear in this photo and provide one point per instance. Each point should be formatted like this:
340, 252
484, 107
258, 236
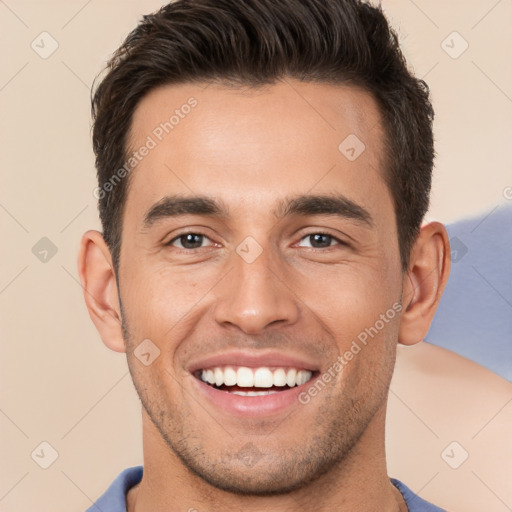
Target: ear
424, 282
98, 279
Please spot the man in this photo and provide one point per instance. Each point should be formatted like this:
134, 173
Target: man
263, 172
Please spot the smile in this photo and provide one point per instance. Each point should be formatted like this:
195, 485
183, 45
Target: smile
245, 381
245, 392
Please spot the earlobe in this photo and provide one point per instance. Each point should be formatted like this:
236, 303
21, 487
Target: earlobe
98, 280
424, 282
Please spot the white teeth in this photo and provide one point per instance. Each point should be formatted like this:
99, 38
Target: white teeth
219, 376
263, 378
255, 377
279, 377
210, 377
244, 377
302, 377
229, 376
290, 377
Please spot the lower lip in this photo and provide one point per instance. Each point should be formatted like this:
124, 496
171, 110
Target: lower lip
252, 406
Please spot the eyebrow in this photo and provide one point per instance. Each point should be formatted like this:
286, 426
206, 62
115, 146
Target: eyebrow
175, 206
336, 205
304, 205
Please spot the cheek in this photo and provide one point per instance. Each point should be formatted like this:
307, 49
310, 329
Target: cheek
358, 308
349, 297
158, 299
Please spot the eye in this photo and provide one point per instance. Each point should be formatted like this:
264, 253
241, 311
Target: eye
321, 240
188, 241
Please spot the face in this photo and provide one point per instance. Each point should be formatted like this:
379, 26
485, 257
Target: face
275, 277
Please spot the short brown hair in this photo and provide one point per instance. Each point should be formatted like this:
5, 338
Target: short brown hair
257, 42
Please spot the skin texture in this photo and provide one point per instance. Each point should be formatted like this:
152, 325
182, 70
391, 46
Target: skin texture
252, 149
462, 401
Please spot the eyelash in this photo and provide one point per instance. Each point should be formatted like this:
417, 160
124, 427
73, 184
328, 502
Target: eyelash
332, 237
181, 235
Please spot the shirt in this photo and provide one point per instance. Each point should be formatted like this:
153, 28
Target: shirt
114, 498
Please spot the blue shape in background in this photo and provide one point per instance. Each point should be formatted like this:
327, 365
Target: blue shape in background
474, 317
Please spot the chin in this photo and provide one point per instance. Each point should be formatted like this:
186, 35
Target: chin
249, 481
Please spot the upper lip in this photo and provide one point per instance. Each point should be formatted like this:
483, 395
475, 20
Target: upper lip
254, 359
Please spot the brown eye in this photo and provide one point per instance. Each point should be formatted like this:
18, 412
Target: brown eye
321, 240
188, 241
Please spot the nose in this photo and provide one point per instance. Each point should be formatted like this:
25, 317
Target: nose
255, 295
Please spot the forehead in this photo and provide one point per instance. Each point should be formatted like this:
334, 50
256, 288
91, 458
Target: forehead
250, 147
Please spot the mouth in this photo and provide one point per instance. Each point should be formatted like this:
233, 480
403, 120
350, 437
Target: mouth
253, 382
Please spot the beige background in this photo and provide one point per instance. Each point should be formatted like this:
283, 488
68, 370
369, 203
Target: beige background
59, 383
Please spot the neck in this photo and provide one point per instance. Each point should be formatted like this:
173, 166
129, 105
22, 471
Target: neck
359, 482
